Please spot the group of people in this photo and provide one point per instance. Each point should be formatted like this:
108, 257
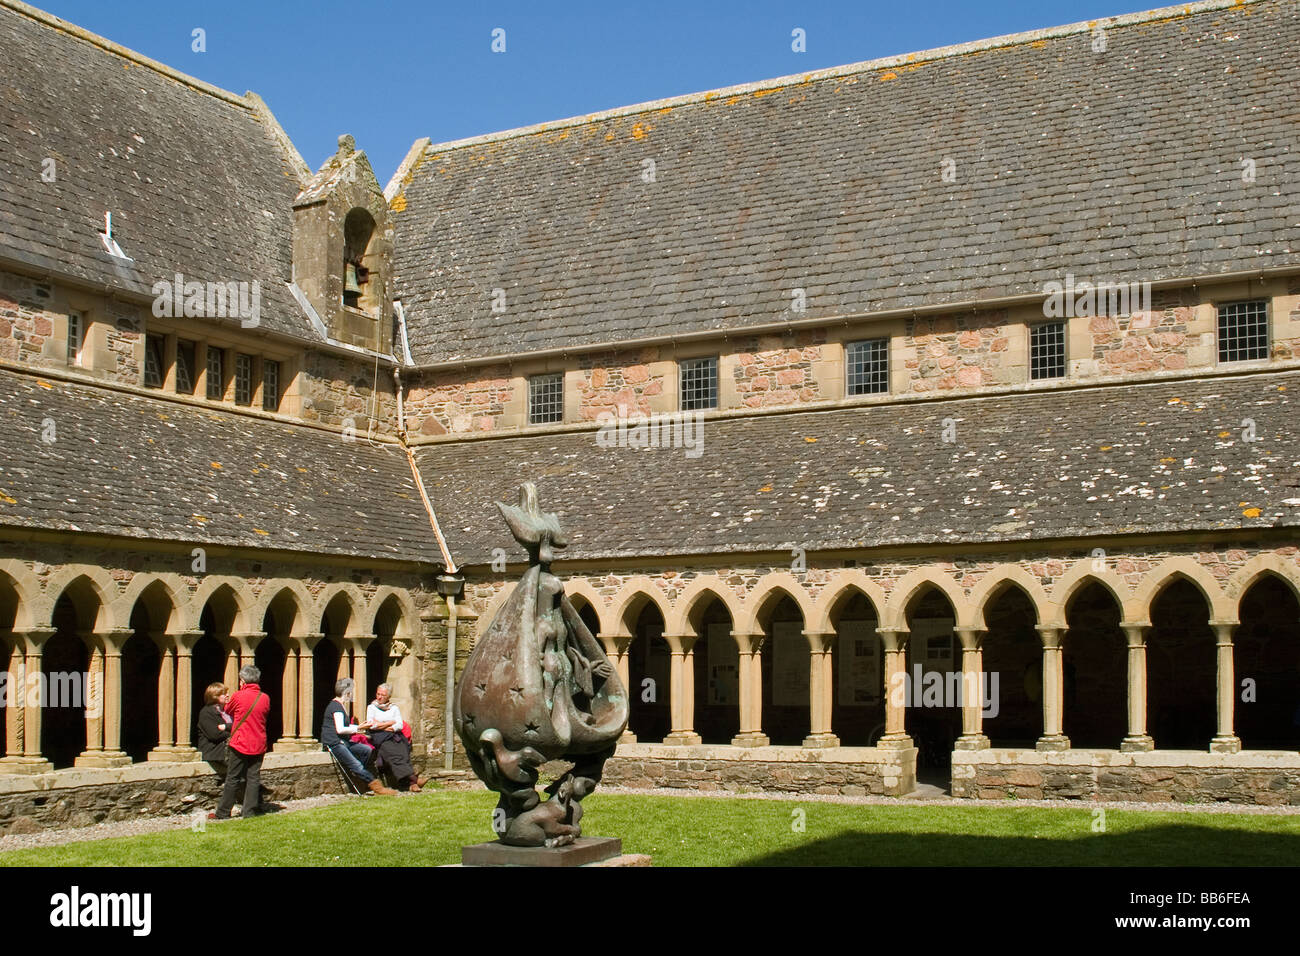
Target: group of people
232, 739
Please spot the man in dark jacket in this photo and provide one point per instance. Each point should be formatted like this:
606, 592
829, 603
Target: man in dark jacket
248, 709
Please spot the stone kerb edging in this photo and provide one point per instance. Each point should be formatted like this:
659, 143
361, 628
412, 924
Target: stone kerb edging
777, 754
1243, 760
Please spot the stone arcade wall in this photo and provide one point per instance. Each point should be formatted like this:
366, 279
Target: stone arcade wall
850, 771
1256, 777
81, 798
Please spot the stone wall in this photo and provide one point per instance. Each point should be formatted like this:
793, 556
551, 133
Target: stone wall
947, 352
609, 381
433, 683
80, 798
1261, 778
472, 400
775, 370
345, 392
850, 771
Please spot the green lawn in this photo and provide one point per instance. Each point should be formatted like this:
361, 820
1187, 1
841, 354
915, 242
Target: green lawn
429, 829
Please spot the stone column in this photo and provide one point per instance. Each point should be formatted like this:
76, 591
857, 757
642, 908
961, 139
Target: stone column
361, 674
174, 695
307, 688
15, 693
622, 644
24, 754
230, 676
895, 737
972, 690
290, 706
104, 731
751, 692
1137, 740
681, 690
820, 691
1053, 690
1226, 740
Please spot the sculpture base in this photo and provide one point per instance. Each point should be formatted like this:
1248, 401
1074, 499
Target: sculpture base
582, 852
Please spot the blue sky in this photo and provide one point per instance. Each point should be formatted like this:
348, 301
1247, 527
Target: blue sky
391, 72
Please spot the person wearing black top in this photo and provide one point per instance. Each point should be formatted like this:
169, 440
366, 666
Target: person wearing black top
214, 729
335, 731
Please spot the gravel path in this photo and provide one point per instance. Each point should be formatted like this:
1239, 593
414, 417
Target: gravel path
103, 831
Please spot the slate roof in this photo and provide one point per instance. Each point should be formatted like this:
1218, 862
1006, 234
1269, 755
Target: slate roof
1122, 165
122, 464
196, 183
1097, 461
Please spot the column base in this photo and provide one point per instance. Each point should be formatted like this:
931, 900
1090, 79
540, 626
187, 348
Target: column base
25, 765
971, 742
627, 738
295, 745
102, 758
895, 742
751, 738
1136, 744
1230, 744
1053, 742
684, 738
815, 741
173, 753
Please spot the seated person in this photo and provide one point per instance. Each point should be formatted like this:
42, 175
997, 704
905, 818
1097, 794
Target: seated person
214, 728
335, 730
385, 721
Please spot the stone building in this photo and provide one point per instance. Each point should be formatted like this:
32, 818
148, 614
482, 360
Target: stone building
927, 417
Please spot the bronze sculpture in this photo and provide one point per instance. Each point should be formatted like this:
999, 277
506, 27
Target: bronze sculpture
538, 687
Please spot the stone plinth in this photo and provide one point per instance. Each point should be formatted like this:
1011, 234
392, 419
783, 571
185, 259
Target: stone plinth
584, 851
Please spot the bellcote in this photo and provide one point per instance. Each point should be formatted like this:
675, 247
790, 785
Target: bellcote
343, 250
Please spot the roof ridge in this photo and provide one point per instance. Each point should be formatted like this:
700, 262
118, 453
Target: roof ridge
71, 29
903, 59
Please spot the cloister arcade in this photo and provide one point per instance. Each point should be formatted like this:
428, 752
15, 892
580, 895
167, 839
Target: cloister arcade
1175, 659
123, 670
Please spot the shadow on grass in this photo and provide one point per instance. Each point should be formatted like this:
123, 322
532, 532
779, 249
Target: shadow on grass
1155, 846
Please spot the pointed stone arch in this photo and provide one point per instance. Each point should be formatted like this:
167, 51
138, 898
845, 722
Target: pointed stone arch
767, 593
243, 598
631, 597
97, 580
356, 602
27, 592
998, 579
174, 588
907, 587
696, 597
307, 616
1078, 577
1257, 568
408, 617
582, 588
841, 589
1144, 595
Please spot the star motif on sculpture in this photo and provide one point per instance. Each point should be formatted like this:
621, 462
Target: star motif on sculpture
517, 693
530, 727
469, 720
480, 689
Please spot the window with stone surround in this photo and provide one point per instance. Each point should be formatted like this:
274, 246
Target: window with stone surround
1047, 350
243, 379
185, 357
546, 398
153, 361
76, 336
699, 383
270, 385
867, 367
1243, 331
216, 374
